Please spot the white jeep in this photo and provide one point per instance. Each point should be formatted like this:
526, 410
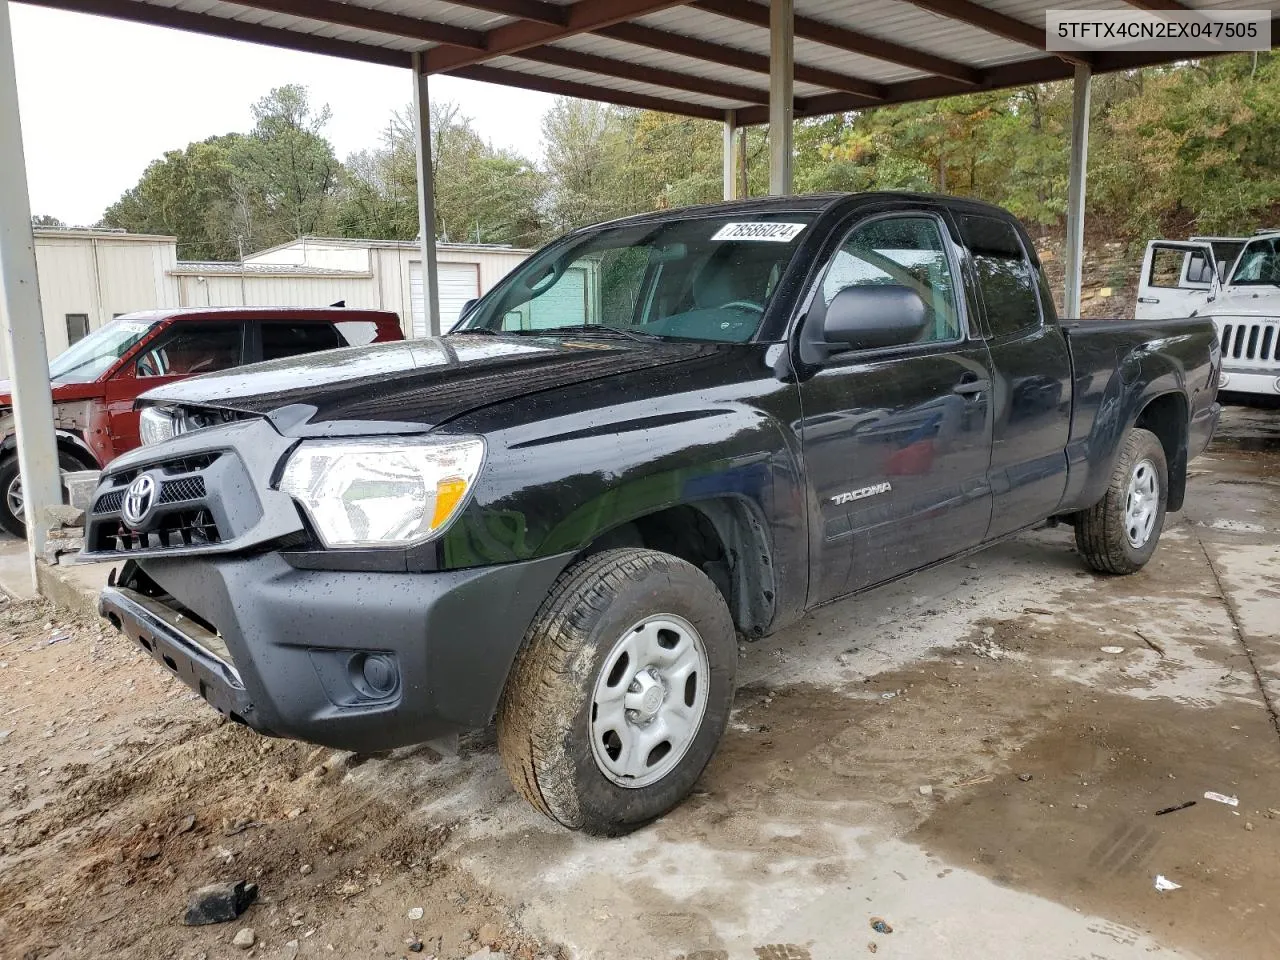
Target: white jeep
1235, 281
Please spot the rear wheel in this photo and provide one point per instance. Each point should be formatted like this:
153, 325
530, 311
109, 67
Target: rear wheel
621, 692
1120, 532
11, 500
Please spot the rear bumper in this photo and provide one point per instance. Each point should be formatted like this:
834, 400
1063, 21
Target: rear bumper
357, 661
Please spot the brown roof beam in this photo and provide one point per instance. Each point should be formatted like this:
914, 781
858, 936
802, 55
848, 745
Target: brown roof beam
511, 38
584, 91
999, 24
1003, 77
840, 38
203, 23
590, 63
366, 18
678, 43
536, 10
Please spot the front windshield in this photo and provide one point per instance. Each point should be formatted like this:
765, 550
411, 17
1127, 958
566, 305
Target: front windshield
695, 278
88, 359
1259, 263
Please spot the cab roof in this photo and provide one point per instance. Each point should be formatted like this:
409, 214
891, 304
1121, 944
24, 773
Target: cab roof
332, 314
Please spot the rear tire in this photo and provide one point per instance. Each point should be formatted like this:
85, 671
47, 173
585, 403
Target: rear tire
1119, 533
11, 521
621, 692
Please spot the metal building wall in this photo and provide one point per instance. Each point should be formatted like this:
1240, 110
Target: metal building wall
231, 290
99, 275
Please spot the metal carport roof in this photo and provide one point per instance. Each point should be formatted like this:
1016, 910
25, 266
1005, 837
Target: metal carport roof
698, 58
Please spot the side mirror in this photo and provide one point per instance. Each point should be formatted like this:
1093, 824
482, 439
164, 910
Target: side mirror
866, 317
466, 308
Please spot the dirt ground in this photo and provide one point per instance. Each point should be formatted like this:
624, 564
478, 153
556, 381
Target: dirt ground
956, 754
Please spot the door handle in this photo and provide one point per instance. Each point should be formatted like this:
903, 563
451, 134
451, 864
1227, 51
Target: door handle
970, 387
1148, 299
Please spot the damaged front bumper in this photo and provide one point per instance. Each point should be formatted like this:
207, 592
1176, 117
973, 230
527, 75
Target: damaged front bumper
353, 660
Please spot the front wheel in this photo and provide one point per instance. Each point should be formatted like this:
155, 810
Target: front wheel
621, 692
1119, 533
11, 501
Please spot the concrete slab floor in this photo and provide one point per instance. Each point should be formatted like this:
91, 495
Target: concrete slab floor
955, 754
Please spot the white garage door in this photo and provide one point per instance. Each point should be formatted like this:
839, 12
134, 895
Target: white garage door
459, 282
564, 305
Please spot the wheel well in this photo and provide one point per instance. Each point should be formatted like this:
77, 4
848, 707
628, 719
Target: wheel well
724, 539
67, 446
1166, 416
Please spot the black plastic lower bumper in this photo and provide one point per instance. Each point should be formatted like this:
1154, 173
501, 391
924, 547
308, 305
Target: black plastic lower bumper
359, 661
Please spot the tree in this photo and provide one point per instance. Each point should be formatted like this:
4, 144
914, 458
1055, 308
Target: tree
482, 195
287, 169
45, 220
584, 148
189, 194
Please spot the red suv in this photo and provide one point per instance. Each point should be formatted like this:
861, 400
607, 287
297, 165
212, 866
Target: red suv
97, 379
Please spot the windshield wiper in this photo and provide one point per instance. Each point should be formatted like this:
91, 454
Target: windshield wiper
596, 329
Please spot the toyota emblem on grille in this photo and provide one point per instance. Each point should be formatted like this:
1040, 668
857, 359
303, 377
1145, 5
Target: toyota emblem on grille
138, 498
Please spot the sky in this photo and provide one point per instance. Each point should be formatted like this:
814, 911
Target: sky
100, 99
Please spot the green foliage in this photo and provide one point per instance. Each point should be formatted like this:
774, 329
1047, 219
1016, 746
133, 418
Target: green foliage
483, 195
285, 172
189, 194
1192, 149
46, 220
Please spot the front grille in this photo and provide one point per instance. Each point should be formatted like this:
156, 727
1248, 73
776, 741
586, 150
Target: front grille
1255, 341
171, 491
181, 528
109, 502
190, 464
183, 515
176, 491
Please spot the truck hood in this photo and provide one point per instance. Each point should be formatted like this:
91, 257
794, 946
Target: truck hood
62, 392
413, 385
1245, 302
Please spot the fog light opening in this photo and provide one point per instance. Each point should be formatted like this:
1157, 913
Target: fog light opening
375, 676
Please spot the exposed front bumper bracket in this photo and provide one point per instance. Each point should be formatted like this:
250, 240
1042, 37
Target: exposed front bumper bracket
191, 653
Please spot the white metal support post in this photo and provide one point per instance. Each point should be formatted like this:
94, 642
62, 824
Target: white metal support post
781, 94
22, 318
728, 166
1076, 190
426, 199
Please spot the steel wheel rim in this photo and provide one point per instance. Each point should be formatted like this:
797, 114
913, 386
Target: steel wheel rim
13, 496
649, 701
1142, 504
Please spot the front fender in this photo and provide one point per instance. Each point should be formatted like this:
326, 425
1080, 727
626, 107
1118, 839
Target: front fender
557, 485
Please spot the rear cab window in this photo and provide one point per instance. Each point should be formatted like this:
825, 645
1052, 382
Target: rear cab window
292, 338
1009, 287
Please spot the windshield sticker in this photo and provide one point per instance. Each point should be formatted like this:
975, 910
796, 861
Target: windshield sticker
767, 232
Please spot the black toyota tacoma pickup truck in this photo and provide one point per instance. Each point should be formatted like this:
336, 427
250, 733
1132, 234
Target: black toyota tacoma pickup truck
653, 436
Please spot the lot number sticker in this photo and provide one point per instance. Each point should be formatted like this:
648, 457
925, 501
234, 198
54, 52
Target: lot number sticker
767, 232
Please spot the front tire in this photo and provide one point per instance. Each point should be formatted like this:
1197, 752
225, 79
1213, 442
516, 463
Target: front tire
621, 692
1120, 532
11, 518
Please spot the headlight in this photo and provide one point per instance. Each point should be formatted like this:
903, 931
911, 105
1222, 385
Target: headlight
155, 424
383, 491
